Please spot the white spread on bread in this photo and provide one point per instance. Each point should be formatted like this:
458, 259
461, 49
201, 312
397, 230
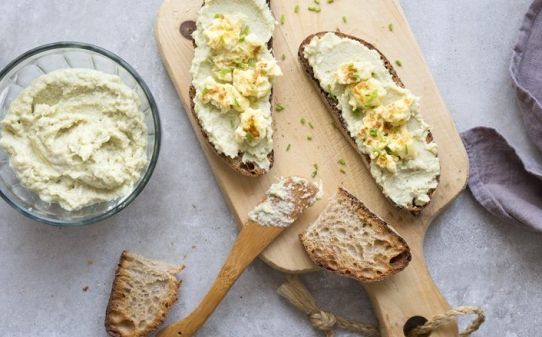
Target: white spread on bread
279, 207
232, 71
382, 118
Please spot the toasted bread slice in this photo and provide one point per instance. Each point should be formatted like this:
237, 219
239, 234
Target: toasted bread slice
142, 294
331, 104
248, 169
347, 238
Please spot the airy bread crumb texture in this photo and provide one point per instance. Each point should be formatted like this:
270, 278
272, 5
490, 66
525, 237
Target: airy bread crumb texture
350, 240
143, 292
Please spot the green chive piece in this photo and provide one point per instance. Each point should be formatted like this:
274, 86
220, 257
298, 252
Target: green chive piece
390, 27
283, 57
317, 2
341, 162
373, 132
288, 147
296, 9
330, 1
315, 9
342, 171
399, 63
282, 19
302, 121
279, 107
311, 126
309, 138
345, 19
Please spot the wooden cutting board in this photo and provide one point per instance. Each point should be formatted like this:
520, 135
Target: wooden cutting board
317, 142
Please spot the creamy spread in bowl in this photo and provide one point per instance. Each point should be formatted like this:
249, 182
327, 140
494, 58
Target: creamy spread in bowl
76, 137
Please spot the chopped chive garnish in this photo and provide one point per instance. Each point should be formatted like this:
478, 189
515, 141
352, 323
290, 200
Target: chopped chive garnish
232, 124
330, 1
296, 9
399, 63
373, 132
309, 138
282, 19
279, 107
342, 171
390, 27
283, 57
288, 147
315, 172
315, 9
345, 20
302, 121
317, 2
311, 126
341, 162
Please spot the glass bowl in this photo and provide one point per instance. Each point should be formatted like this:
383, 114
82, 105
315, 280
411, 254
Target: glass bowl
42, 60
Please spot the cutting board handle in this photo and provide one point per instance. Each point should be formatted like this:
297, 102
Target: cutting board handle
410, 296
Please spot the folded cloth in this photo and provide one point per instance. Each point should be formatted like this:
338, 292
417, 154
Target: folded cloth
501, 181
505, 183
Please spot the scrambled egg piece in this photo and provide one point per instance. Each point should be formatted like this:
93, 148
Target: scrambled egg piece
223, 96
256, 82
223, 74
354, 72
398, 112
253, 126
224, 32
388, 144
367, 94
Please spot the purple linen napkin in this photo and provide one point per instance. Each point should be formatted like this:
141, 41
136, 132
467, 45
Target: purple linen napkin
501, 181
505, 183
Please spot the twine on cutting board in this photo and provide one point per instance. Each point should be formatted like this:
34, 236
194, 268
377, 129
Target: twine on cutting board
300, 297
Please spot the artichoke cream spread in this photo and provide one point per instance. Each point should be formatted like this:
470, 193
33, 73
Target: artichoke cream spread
382, 117
76, 137
232, 72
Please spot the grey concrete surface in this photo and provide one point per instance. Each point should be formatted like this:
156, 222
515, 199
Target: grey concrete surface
474, 258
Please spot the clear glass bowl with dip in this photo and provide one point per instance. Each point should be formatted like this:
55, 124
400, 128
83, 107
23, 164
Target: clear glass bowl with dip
19, 74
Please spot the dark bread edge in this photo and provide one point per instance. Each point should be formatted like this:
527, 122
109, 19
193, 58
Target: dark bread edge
331, 102
247, 169
398, 263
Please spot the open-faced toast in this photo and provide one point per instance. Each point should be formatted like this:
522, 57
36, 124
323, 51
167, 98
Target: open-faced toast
412, 197
244, 81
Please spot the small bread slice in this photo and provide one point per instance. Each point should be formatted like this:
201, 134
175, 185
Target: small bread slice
142, 294
347, 238
331, 104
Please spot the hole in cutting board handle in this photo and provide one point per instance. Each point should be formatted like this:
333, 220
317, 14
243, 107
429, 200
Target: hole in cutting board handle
187, 28
414, 322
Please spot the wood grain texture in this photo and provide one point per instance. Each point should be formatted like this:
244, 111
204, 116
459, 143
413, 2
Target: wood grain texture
412, 291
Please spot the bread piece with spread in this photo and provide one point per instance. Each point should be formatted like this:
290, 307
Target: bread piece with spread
379, 117
232, 73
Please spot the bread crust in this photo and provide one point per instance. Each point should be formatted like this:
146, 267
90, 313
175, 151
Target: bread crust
331, 103
115, 316
324, 256
246, 169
